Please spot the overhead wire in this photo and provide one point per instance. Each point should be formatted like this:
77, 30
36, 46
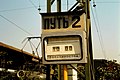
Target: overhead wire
67, 5
31, 44
108, 2
39, 2
33, 4
39, 6
99, 29
97, 26
15, 24
16, 9
100, 32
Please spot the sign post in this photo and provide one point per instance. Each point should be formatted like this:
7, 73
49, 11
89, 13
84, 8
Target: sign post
66, 38
65, 72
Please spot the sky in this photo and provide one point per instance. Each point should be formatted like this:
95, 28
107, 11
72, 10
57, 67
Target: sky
20, 19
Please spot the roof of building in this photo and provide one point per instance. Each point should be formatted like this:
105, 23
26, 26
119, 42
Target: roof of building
11, 48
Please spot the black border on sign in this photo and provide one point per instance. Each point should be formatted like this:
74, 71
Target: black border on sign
63, 13
80, 38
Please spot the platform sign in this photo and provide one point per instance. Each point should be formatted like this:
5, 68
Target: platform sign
63, 20
63, 38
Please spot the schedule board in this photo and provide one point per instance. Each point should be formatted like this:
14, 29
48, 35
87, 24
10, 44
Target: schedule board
63, 48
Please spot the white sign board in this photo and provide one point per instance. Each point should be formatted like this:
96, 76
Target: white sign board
63, 38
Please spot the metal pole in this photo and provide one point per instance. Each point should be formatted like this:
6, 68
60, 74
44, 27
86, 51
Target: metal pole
58, 5
59, 72
82, 75
89, 66
59, 66
48, 6
48, 72
65, 72
48, 66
